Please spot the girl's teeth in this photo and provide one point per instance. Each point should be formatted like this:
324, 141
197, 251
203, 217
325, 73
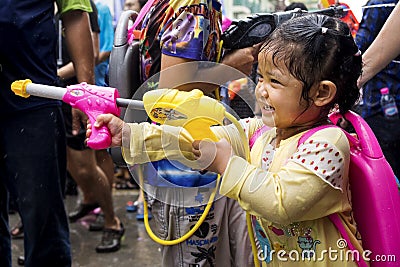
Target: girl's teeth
268, 107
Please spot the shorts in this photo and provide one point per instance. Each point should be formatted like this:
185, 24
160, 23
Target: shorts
221, 240
76, 142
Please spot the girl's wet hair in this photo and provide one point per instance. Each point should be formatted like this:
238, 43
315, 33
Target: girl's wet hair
316, 48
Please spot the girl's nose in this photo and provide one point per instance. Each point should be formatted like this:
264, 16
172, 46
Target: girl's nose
262, 90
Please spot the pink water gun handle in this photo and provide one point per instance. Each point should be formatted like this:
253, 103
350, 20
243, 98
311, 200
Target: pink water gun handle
94, 100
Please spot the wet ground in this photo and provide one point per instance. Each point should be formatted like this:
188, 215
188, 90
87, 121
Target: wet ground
137, 248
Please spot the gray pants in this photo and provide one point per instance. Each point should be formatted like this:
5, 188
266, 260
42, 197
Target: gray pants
221, 240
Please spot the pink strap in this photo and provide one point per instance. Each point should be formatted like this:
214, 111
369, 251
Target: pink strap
257, 134
145, 9
333, 217
340, 227
310, 132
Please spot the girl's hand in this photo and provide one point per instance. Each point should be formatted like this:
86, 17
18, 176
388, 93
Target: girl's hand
212, 156
114, 125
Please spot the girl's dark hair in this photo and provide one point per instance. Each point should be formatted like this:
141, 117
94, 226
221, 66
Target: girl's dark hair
316, 48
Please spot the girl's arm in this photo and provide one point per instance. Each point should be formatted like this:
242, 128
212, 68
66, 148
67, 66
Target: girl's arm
311, 184
292, 194
150, 142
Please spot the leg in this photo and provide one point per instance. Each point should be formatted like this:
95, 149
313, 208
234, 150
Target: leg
239, 240
34, 143
138, 171
82, 166
105, 162
96, 188
5, 239
92, 174
94, 183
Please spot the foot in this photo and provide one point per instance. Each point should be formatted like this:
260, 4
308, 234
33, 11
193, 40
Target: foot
98, 224
132, 206
125, 185
140, 212
21, 260
17, 232
111, 240
81, 211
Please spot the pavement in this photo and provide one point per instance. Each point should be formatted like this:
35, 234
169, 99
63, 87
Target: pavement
137, 248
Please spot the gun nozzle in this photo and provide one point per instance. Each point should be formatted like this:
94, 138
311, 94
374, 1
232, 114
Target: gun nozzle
19, 87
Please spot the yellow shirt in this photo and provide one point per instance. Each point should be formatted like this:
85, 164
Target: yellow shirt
289, 203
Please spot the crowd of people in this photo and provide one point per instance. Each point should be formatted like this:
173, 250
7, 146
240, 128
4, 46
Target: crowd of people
280, 199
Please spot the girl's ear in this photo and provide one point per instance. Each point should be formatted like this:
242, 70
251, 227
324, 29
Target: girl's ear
325, 93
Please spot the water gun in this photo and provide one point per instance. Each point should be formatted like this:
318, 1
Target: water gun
190, 110
254, 29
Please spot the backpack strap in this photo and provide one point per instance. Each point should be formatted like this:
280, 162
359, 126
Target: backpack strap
145, 9
340, 227
312, 131
334, 218
257, 134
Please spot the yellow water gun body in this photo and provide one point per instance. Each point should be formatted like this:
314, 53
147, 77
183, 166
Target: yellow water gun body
191, 110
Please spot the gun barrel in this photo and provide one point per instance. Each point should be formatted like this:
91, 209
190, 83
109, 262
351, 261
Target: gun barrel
25, 88
130, 103
54, 92
46, 91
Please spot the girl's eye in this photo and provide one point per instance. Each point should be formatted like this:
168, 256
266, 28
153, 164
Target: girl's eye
275, 81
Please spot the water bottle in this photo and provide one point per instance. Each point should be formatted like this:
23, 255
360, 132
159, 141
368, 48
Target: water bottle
388, 104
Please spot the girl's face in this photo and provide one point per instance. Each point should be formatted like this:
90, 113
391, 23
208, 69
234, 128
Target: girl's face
278, 95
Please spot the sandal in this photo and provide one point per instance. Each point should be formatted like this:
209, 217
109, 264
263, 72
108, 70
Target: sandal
125, 184
81, 211
131, 206
17, 232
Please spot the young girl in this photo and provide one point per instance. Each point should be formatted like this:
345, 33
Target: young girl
307, 67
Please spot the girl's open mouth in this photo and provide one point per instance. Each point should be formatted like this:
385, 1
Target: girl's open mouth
268, 108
